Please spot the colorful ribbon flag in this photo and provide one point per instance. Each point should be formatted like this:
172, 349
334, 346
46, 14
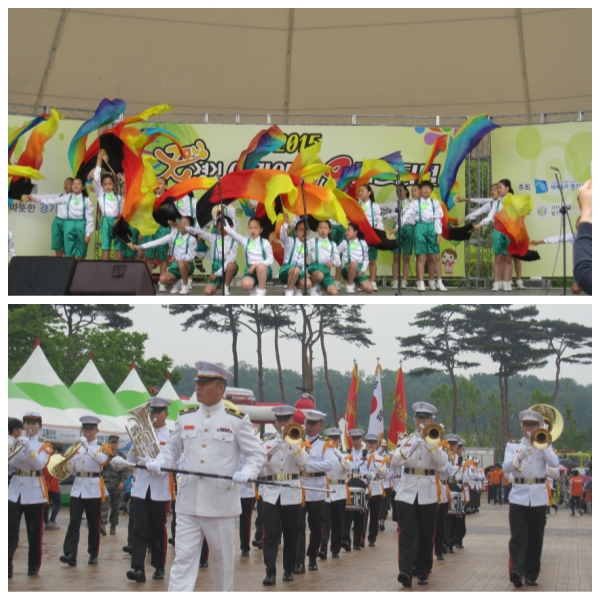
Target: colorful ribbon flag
399, 414
510, 220
351, 417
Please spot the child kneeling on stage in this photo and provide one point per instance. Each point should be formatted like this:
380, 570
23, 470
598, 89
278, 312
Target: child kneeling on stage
181, 261
216, 241
324, 255
291, 272
355, 258
259, 258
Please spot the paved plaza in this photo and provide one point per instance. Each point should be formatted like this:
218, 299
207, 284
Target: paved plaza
481, 566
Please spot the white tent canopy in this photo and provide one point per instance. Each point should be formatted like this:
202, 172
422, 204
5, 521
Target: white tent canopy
503, 61
132, 391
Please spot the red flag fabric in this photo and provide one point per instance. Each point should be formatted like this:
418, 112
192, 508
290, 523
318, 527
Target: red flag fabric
351, 405
399, 414
37, 343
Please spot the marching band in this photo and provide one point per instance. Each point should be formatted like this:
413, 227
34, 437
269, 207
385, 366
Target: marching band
219, 465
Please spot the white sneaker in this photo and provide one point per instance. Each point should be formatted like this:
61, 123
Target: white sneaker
420, 286
395, 284
441, 287
227, 292
162, 288
520, 285
374, 284
298, 291
403, 284
497, 286
314, 291
350, 289
190, 283
185, 290
337, 285
176, 287
507, 286
253, 291
260, 292
288, 293
432, 285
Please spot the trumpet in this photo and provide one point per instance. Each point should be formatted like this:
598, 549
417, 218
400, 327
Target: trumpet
60, 465
141, 432
433, 434
291, 434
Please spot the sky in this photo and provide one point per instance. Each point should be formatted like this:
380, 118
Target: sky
386, 320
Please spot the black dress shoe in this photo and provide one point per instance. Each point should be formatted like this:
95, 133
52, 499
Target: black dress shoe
459, 546
439, 556
245, 553
515, 579
444, 550
346, 547
127, 549
204, 565
334, 555
405, 579
93, 560
159, 574
450, 550
269, 580
381, 524
69, 559
312, 565
371, 544
136, 575
527, 581
288, 577
299, 570
356, 547
422, 580
256, 544
36, 572
171, 541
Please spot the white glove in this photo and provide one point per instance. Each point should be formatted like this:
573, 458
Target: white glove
83, 442
144, 460
25, 441
240, 477
154, 467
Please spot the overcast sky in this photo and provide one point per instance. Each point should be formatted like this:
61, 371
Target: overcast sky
386, 320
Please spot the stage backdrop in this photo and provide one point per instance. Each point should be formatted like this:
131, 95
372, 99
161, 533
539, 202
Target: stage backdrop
213, 149
524, 155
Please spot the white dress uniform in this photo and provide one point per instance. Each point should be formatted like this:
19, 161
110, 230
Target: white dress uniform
182, 246
338, 476
142, 480
212, 439
321, 461
88, 462
76, 207
355, 251
111, 205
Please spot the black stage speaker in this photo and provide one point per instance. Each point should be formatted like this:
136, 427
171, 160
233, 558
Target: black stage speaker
40, 276
112, 278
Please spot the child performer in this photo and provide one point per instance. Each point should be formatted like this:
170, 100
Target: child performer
355, 255
161, 252
216, 242
373, 212
292, 272
111, 205
11, 245
58, 233
181, 263
259, 258
324, 255
428, 214
78, 223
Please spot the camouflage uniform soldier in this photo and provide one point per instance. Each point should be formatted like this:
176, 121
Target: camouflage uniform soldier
115, 483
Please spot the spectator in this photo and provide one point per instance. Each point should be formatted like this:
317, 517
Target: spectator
582, 247
54, 496
576, 489
497, 483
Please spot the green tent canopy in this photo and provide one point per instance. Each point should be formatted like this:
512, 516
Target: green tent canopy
168, 393
132, 392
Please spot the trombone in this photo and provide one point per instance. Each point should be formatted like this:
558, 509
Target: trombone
291, 434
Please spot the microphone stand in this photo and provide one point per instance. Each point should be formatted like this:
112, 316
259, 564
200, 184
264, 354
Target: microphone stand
400, 265
222, 236
305, 219
563, 211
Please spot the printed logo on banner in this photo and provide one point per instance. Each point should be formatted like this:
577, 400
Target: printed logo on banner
542, 211
193, 163
541, 187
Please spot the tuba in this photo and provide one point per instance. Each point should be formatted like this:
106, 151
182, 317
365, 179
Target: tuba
60, 466
542, 437
142, 433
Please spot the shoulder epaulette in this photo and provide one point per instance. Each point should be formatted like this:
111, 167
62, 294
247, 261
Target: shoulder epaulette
189, 409
236, 412
322, 437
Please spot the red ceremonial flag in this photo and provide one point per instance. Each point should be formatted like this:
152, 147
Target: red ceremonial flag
399, 414
37, 343
351, 405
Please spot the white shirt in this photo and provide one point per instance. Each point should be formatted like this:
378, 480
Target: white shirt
355, 251
212, 440
321, 461
142, 479
111, 205
373, 213
491, 208
293, 249
408, 215
88, 460
216, 251
32, 490
413, 453
533, 463
426, 211
557, 239
327, 251
187, 206
76, 206
256, 250
182, 246
11, 245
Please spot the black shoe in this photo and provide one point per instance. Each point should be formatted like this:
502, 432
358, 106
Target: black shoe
515, 579
159, 574
322, 554
371, 544
334, 555
581, 513
69, 559
269, 580
137, 575
312, 565
245, 553
444, 550
405, 579
422, 580
531, 582
346, 546
299, 570
256, 544
127, 549
459, 546
202, 270
93, 560
381, 524
362, 544
288, 577
171, 541
439, 556
203, 565
450, 550
36, 572
356, 547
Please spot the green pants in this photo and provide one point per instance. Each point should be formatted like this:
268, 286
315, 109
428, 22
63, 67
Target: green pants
74, 237
58, 234
174, 269
127, 251
406, 240
254, 276
108, 236
501, 242
113, 501
160, 252
426, 239
216, 265
372, 253
357, 279
327, 278
284, 273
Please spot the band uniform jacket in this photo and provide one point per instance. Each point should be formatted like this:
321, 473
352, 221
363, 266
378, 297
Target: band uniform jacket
413, 453
285, 460
533, 463
321, 459
339, 472
88, 460
32, 490
444, 475
212, 439
160, 487
377, 473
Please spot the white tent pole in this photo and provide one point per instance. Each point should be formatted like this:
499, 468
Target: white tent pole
523, 62
286, 107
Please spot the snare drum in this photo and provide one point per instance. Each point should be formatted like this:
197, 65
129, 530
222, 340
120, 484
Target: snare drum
456, 505
357, 492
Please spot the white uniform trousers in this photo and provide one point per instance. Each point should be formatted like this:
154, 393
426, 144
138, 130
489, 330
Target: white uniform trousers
220, 535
